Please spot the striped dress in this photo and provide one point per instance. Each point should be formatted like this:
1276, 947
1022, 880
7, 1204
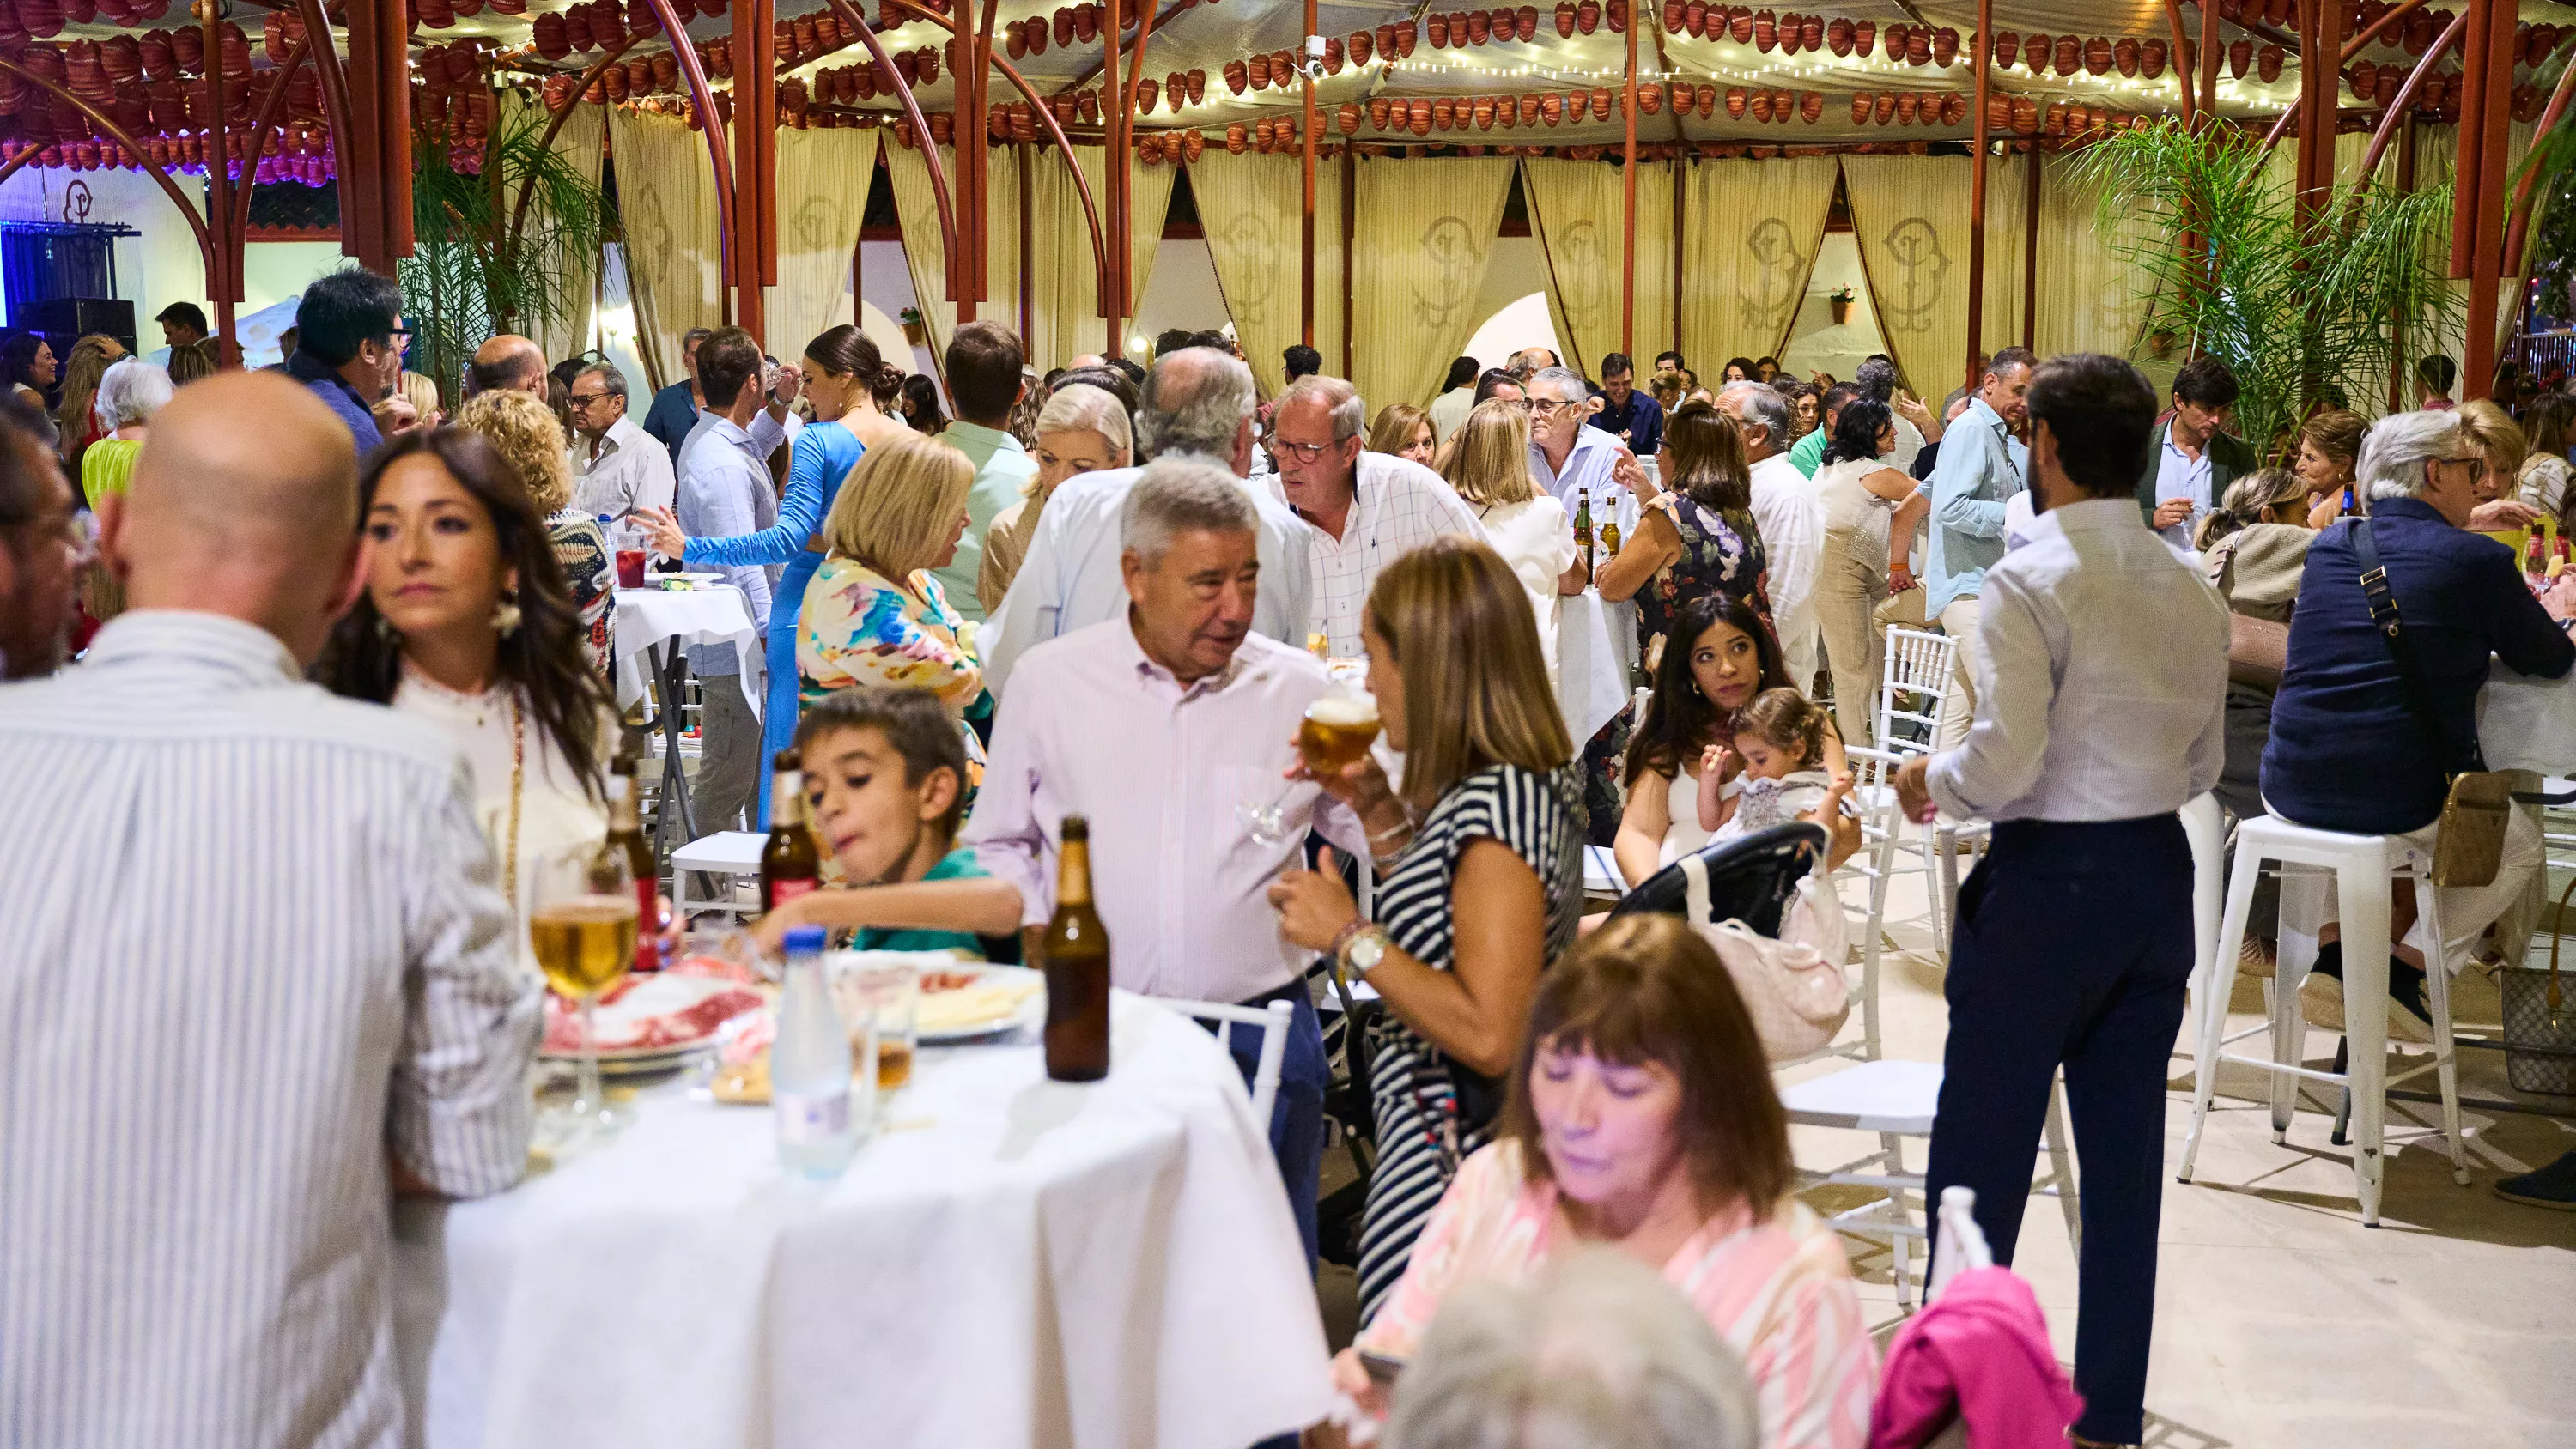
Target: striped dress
1422, 1131
1779, 1293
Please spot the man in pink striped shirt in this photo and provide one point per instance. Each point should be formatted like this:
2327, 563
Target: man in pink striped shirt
1157, 727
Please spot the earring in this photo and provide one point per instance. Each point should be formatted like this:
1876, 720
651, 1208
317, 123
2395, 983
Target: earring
505, 616
385, 629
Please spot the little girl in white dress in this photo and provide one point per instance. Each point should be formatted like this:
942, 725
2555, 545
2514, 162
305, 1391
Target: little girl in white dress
1779, 742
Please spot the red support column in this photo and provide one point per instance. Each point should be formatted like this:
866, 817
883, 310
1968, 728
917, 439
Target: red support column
752, 262
1979, 54
1113, 295
1628, 157
2486, 242
1306, 208
223, 283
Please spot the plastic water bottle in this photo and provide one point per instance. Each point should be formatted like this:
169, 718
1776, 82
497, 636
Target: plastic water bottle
809, 1068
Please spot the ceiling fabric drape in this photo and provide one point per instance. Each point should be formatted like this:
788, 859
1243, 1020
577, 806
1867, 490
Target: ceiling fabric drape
2092, 298
1751, 232
822, 191
666, 189
1252, 207
1911, 216
583, 143
1578, 210
925, 246
1424, 232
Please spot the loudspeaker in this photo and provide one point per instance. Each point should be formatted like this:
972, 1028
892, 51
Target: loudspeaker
65, 320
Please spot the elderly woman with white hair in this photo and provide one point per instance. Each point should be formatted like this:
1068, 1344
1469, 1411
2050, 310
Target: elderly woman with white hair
2350, 750
129, 393
1081, 429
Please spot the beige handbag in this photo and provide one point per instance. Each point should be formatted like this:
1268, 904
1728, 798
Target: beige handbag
1792, 987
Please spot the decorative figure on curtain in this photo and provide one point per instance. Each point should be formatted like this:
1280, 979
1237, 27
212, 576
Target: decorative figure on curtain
1921, 265
654, 233
1250, 234
817, 223
1583, 272
1763, 308
1452, 246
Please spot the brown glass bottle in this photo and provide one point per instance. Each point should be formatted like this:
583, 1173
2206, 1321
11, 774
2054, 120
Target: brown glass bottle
789, 864
626, 833
1075, 953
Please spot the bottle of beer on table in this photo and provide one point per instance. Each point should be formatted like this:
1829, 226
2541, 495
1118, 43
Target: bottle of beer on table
1075, 954
789, 864
626, 834
1583, 524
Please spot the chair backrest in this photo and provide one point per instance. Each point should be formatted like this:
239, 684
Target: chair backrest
1918, 675
1273, 1020
1749, 880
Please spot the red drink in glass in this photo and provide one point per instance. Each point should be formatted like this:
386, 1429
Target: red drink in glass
630, 568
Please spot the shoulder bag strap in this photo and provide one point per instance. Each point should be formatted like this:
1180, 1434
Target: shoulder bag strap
2410, 669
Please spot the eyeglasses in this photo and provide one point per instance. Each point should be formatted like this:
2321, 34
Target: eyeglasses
584, 399
1547, 407
1304, 452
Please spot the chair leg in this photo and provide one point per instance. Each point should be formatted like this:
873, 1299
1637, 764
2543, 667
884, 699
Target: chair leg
2209, 994
1900, 1267
2438, 998
2302, 900
2364, 899
2061, 1170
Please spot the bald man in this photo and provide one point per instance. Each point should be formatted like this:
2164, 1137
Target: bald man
188, 829
507, 362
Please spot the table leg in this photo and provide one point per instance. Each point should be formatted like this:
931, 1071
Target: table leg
675, 778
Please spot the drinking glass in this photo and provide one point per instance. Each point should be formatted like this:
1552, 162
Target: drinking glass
582, 924
886, 993
1338, 729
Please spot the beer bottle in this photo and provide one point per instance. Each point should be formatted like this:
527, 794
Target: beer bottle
1610, 538
626, 833
1075, 954
789, 864
2535, 556
1583, 523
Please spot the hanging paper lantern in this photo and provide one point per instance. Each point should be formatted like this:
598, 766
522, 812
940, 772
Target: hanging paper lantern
2069, 56
1524, 24
1706, 102
2240, 56
1236, 138
1436, 30
1086, 23
1954, 109
1406, 33
1617, 13
1860, 108
552, 41
1532, 108
2025, 115
1766, 31
1761, 105
2124, 55
2151, 59
2097, 56
1193, 145
1603, 100
1811, 105
1838, 36
1918, 46
1945, 46
1442, 113
1736, 103
1238, 74
1908, 105
2035, 52
1864, 36
1587, 16
1896, 42
1418, 115
1377, 107
2267, 63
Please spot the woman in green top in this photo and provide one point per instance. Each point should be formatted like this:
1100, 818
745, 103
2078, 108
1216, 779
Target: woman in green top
129, 393
885, 773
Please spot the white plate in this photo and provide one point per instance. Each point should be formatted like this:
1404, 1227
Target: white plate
1031, 1011
664, 994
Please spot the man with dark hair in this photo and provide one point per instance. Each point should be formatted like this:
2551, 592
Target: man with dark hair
1982, 465
349, 346
675, 408
984, 361
181, 324
724, 491
2107, 660
2192, 458
1669, 361
1216, 338
1173, 339
1626, 412
1457, 398
2434, 374
1302, 361
42, 545
507, 362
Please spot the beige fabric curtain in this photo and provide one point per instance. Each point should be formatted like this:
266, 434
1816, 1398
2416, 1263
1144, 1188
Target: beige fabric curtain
666, 190
1751, 229
1579, 211
1911, 216
583, 142
2092, 298
1252, 207
822, 189
2436, 157
1425, 231
925, 246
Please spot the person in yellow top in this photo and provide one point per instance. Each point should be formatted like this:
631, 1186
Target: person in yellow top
129, 393
874, 614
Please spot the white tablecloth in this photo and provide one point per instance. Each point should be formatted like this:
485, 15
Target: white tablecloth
2526, 723
1014, 1262
1596, 646
708, 614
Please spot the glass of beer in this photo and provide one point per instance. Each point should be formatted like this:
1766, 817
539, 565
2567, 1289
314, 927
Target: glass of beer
582, 925
1337, 731
885, 992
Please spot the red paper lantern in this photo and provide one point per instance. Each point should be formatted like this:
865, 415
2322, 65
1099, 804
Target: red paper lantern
2240, 55
1896, 41
1838, 36
2124, 54
1811, 105
1587, 16
1860, 107
2267, 63
1945, 46
1526, 23
1864, 36
2151, 59
2035, 52
1565, 19
1736, 102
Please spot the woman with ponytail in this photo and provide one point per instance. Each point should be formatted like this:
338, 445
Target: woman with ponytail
855, 397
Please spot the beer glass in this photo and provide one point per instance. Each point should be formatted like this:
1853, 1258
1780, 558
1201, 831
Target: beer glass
1337, 730
582, 925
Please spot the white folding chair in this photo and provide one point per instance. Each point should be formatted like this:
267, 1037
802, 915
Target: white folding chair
729, 856
1273, 1021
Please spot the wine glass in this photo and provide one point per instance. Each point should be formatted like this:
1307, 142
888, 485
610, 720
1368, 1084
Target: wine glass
1338, 729
582, 924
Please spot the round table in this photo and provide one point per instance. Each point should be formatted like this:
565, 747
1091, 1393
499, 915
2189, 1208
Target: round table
2526, 723
1008, 1261
649, 620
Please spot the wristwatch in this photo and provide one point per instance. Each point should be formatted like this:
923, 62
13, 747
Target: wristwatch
1362, 946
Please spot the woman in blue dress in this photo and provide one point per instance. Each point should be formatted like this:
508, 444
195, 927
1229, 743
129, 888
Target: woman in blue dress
854, 397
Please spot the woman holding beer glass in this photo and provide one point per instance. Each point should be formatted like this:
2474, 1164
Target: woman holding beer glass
1481, 858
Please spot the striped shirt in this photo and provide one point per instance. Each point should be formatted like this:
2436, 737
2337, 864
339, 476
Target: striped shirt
1397, 506
254, 946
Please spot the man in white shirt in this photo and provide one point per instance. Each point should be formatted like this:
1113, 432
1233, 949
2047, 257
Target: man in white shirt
724, 491
1792, 522
1197, 401
258, 977
619, 466
1569, 458
2074, 938
507, 363
1981, 465
1368, 509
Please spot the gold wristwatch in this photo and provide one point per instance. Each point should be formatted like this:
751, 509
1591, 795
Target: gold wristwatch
1362, 948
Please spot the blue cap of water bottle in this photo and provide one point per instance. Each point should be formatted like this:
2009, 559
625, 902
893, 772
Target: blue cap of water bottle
801, 939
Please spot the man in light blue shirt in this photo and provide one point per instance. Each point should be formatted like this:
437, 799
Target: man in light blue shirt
984, 361
1981, 466
725, 491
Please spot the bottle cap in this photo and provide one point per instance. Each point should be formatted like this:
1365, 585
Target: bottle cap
803, 940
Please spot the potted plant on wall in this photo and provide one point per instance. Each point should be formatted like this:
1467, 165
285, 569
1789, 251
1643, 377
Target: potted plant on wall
1841, 300
913, 330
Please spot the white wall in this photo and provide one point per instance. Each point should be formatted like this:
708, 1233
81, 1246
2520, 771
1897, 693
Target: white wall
1815, 343
152, 271
1181, 291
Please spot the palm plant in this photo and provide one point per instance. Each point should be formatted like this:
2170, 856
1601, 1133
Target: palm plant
2293, 305
485, 262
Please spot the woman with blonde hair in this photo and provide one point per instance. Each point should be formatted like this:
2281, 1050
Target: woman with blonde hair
1482, 864
1488, 463
524, 431
1405, 431
192, 360
74, 420
1081, 429
874, 614
2329, 451
2498, 439
2549, 426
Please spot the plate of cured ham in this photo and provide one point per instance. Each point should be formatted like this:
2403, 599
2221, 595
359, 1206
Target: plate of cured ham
648, 1023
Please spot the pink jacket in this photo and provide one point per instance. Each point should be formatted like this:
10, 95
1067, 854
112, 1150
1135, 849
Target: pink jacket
1979, 1353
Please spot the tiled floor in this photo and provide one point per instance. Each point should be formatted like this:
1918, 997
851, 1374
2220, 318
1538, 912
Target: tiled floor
2281, 1321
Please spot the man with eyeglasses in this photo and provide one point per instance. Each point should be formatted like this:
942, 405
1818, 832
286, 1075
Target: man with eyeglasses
619, 466
1368, 509
1567, 457
349, 347
43, 545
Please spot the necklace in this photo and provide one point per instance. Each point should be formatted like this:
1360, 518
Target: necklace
518, 763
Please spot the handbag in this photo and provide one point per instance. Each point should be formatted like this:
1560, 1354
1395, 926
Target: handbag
2468, 844
2539, 1031
1792, 988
